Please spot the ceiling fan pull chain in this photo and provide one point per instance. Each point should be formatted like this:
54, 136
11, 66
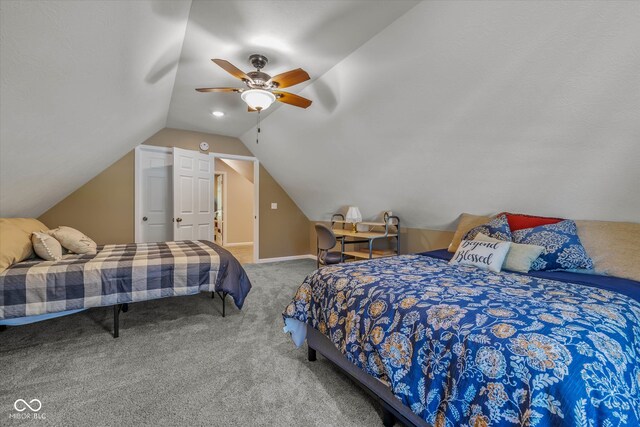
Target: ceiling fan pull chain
258, 133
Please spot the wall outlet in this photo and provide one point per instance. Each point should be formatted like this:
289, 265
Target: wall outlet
274, 206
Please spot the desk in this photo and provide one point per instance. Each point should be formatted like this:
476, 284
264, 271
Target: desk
367, 237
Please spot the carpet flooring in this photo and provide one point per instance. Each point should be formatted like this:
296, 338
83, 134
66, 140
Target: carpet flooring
178, 362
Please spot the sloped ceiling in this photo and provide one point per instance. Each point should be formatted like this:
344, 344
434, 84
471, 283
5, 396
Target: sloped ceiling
243, 167
427, 110
472, 106
313, 35
82, 82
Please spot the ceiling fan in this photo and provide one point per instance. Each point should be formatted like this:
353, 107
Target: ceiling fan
262, 89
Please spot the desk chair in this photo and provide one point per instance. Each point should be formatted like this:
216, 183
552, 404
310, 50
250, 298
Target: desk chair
326, 242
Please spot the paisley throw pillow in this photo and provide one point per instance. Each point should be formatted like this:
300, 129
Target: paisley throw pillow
562, 247
498, 228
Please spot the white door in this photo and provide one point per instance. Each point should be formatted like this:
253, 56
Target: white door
192, 195
154, 216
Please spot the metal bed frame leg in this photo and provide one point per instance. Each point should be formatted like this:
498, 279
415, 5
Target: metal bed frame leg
116, 321
222, 296
311, 354
388, 419
116, 317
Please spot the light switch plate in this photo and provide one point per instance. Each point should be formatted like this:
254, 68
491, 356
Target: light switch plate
274, 206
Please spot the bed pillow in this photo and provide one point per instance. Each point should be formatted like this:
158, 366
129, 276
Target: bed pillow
46, 247
614, 247
485, 255
28, 225
498, 228
522, 221
73, 240
563, 249
15, 244
466, 223
520, 256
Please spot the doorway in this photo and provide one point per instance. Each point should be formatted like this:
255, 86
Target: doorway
219, 204
235, 213
161, 206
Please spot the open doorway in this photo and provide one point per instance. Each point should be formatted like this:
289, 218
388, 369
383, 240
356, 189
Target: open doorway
235, 206
219, 204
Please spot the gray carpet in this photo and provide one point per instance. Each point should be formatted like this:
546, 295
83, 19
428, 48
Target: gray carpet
178, 362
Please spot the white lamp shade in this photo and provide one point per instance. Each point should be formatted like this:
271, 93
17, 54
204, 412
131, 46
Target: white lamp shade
258, 99
353, 215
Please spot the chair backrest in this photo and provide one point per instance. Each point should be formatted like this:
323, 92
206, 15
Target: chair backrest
326, 238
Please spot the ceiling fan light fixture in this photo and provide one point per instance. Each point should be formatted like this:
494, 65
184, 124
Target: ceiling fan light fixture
258, 99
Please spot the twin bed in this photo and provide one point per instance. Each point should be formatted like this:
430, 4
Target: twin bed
449, 345
118, 275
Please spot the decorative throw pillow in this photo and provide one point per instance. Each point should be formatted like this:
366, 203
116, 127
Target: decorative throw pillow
521, 221
74, 240
519, 258
46, 247
498, 228
563, 249
486, 255
466, 223
15, 244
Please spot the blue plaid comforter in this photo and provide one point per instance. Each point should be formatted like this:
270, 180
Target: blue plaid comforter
464, 346
120, 274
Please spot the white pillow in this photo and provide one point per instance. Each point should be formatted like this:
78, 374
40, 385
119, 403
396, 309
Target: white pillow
74, 240
520, 256
46, 247
486, 255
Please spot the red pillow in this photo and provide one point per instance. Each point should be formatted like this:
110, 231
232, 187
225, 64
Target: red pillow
521, 221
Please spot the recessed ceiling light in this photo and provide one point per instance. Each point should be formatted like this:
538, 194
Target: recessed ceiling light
218, 113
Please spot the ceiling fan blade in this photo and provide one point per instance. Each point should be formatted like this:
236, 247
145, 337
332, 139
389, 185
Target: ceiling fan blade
219, 89
290, 78
289, 98
232, 69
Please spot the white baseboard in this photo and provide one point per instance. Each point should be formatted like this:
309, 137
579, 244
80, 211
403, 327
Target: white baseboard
286, 258
238, 244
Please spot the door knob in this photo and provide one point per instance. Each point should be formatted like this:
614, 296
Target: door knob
178, 219
144, 218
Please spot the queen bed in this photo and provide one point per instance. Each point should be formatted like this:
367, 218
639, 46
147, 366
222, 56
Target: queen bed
449, 345
118, 275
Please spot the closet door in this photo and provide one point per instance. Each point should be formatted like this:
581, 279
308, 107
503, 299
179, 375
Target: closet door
192, 195
154, 181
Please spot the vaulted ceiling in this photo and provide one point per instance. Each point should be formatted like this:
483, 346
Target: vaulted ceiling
425, 108
313, 35
475, 107
82, 83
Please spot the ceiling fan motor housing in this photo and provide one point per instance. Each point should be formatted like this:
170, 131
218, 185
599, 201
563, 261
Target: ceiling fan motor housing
259, 78
258, 61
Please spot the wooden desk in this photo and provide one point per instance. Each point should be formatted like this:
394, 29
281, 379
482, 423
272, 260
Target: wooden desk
366, 237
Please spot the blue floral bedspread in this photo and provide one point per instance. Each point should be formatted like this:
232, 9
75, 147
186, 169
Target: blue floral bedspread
464, 346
